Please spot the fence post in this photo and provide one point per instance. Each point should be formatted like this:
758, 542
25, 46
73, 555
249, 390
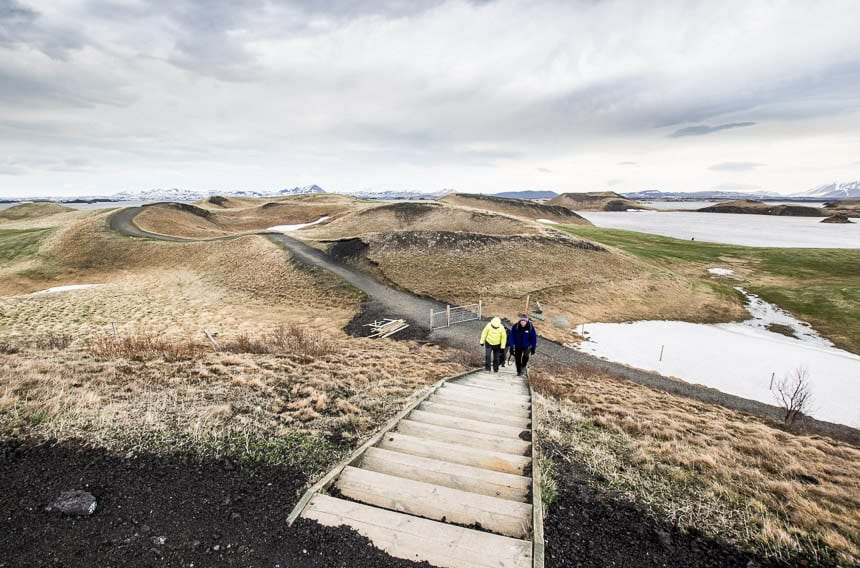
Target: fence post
212, 340
480, 308
115, 334
448, 315
661, 352
431, 319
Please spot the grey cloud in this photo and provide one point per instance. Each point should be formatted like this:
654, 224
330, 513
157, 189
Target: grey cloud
735, 166
703, 129
20, 25
29, 89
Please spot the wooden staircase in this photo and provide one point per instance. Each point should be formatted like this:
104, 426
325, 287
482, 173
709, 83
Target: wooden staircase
448, 481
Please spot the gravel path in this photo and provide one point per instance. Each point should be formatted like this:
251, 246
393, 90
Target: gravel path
416, 311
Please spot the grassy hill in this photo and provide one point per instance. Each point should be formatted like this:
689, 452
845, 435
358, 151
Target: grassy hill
517, 208
32, 211
749, 206
596, 201
234, 216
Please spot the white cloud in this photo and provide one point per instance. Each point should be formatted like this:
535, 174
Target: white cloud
427, 95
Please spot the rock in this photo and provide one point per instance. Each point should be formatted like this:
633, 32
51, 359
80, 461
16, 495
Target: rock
74, 502
235, 516
158, 540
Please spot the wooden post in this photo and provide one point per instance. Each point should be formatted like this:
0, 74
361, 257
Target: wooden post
772, 376
480, 308
661, 352
448, 315
212, 339
115, 334
431, 319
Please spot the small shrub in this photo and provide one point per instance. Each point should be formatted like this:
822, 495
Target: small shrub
9, 348
143, 346
53, 341
793, 394
299, 343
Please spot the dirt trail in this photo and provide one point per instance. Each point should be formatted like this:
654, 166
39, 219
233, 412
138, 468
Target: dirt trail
416, 310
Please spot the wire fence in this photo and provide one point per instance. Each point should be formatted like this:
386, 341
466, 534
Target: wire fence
455, 314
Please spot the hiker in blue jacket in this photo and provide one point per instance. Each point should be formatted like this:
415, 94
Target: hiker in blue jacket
523, 342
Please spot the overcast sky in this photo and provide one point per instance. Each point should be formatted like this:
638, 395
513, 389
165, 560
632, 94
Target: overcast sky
104, 96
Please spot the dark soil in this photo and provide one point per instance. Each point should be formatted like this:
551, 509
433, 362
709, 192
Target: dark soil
586, 528
785, 330
207, 513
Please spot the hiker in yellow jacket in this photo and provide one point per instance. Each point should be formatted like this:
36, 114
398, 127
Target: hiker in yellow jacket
494, 338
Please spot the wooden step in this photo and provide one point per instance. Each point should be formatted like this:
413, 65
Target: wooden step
512, 409
413, 538
493, 394
466, 424
501, 387
473, 412
447, 474
455, 453
485, 395
435, 502
463, 437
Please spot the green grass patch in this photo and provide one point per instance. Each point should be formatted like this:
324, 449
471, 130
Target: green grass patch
18, 244
818, 285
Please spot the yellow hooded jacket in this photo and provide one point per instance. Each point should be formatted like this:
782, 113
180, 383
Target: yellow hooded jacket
494, 333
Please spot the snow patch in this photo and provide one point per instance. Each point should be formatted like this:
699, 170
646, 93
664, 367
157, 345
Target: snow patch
721, 271
738, 358
288, 228
546, 221
56, 289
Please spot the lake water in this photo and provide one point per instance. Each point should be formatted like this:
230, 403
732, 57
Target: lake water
691, 205
747, 230
738, 358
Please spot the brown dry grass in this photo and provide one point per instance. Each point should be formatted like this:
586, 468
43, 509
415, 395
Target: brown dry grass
232, 287
182, 392
287, 377
574, 284
705, 467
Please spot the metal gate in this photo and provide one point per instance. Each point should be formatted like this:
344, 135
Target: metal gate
455, 314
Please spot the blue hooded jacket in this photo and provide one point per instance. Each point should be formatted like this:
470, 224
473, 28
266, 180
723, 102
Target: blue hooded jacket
523, 336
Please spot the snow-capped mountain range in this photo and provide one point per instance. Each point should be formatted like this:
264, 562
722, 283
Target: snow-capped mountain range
706, 194
835, 190
175, 194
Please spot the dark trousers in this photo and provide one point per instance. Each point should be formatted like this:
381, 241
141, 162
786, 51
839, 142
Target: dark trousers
494, 353
521, 357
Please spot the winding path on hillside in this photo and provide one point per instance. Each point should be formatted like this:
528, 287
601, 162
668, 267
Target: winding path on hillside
416, 310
